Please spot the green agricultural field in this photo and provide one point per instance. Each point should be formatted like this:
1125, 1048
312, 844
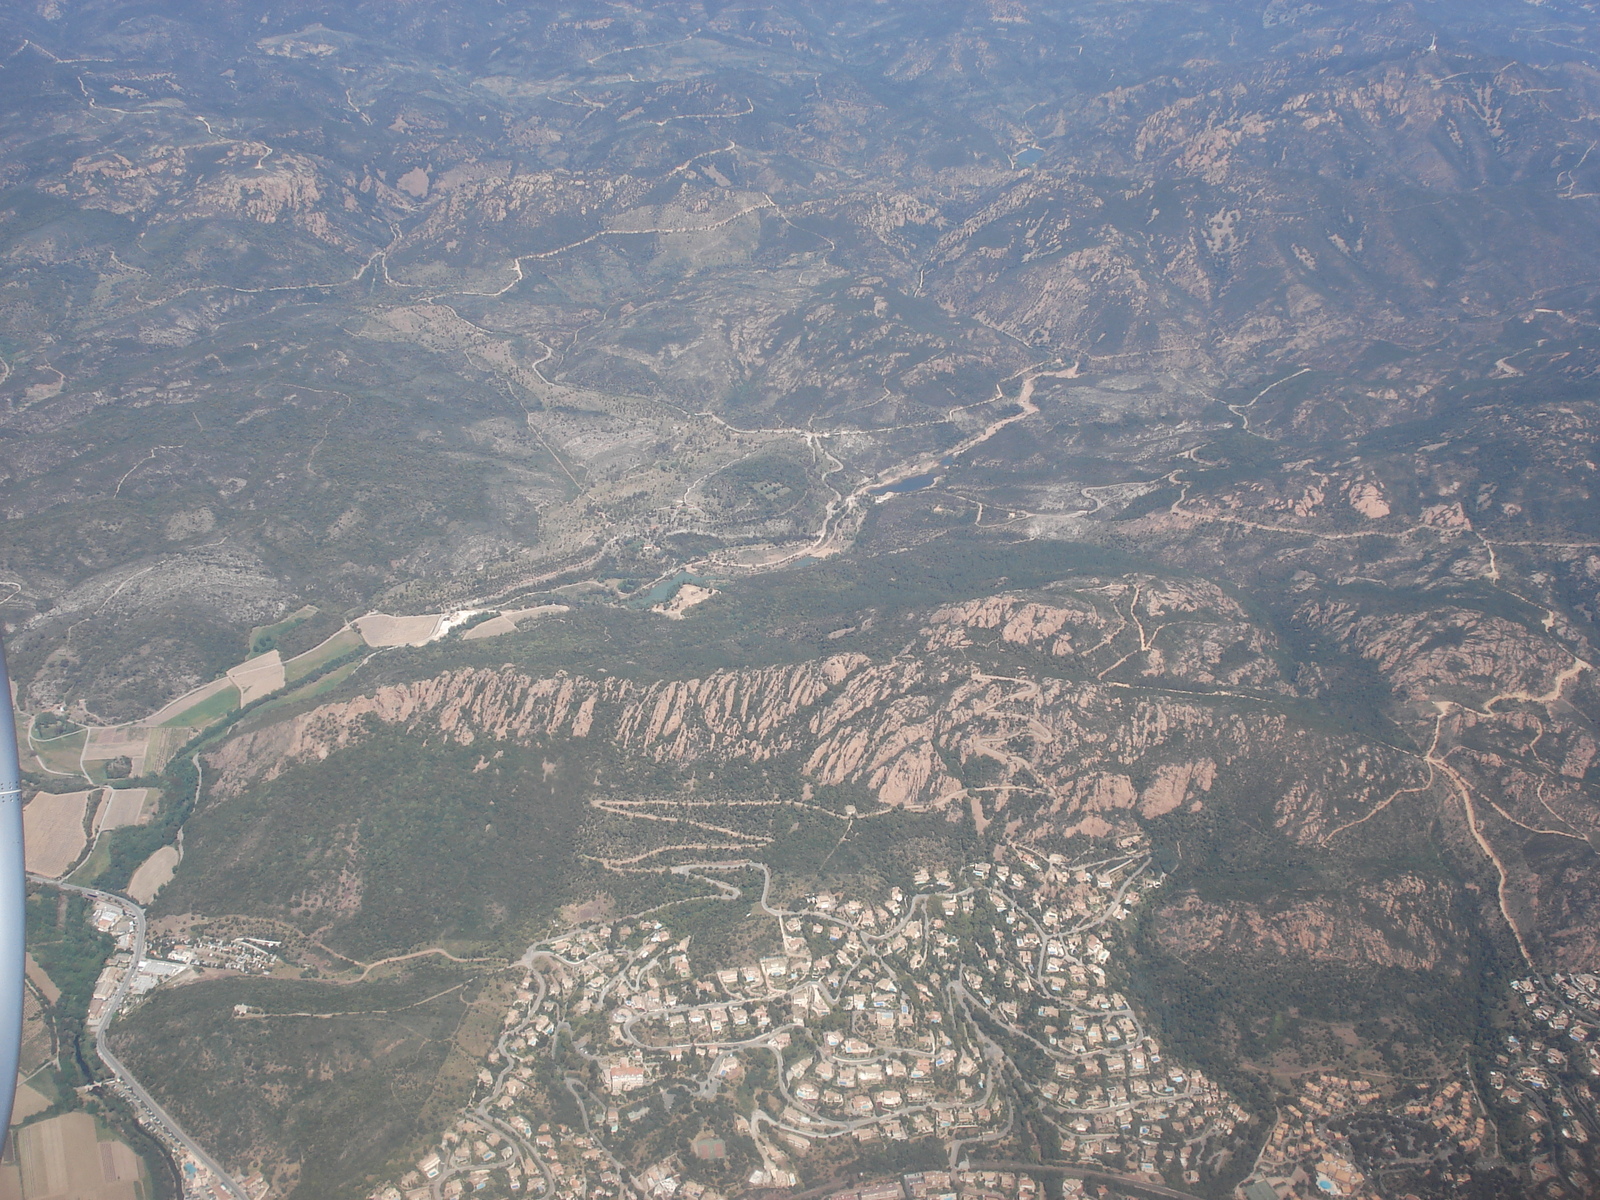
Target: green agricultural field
91, 867
164, 743
318, 687
213, 708
308, 663
327, 683
61, 754
95, 769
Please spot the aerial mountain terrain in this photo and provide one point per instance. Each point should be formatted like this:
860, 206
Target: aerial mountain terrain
991, 598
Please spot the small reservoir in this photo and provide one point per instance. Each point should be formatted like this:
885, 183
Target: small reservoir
912, 483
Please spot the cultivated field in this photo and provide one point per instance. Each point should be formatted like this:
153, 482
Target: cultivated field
118, 741
27, 1103
52, 828
258, 677
65, 1159
493, 627
124, 807
380, 629
164, 743
154, 874
36, 975
301, 665
200, 707
60, 755
508, 622
38, 1046
282, 627
183, 704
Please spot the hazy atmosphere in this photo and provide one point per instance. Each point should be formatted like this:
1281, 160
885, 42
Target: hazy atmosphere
804, 600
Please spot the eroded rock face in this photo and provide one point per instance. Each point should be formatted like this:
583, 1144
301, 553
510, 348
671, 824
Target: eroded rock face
1090, 708
1193, 631
890, 727
938, 732
1422, 653
249, 181
1175, 783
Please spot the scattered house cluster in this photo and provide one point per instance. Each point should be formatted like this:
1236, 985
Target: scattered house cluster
1547, 1072
248, 956
1302, 1138
1568, 1009
1453, 1111
1308, 1152
968, 1185
884, 1018
165, 960
475, 1156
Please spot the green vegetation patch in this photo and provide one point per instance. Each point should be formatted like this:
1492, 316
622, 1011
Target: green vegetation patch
96, 864
764, 486
72, 952
324, 684
267, 637
63, 753
102, 771
213, 708
49, 725
315, 659
401, 840
348, 1091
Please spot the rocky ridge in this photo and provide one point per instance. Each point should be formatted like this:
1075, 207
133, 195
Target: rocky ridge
907, 729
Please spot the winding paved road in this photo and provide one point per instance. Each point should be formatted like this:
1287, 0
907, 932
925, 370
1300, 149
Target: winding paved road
153, 1114
1090, 1175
